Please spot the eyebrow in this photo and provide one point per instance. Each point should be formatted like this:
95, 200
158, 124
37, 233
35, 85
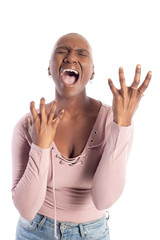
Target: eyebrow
78, 50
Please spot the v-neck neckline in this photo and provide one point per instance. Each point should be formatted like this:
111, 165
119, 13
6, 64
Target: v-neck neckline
89, 138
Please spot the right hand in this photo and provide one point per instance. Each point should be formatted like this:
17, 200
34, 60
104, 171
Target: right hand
43, 127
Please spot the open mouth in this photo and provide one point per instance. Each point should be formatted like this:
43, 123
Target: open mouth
69, 76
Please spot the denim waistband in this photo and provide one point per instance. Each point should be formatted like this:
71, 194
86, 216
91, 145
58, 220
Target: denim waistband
38, 217
85, 228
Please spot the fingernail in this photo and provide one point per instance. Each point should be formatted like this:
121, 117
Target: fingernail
138, 66
150, 74
120, 69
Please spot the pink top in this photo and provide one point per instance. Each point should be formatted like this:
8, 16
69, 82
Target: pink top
76, 189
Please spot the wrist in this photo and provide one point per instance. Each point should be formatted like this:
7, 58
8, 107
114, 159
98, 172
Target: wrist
41, 145
122, 122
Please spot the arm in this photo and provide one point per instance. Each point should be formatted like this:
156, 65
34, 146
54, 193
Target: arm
30, 165
109, 179
29, 174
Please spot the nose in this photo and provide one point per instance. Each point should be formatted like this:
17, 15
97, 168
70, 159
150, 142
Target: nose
70, 58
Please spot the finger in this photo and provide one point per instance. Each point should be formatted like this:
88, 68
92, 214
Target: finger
58, 118
145, 83
34, 112
42, 110
122, 80
112, 87
136, 77
52, 111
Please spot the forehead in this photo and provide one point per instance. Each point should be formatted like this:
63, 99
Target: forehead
73, 41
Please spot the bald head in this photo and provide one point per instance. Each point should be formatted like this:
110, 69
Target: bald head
73, 39
71, 51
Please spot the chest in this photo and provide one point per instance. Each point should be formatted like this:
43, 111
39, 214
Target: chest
71, 136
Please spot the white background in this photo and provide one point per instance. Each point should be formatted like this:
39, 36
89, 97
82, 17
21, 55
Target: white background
122, 33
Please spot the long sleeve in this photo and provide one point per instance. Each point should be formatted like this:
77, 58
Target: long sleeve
109, 179
30, 165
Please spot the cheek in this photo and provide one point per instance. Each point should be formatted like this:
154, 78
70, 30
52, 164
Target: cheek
54, 68
88, 69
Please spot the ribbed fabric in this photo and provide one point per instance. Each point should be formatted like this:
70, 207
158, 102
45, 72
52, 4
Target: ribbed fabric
70, 189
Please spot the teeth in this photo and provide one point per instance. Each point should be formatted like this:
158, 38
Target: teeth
70, 70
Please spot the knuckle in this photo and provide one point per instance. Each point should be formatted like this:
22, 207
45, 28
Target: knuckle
122, 79
149, 76
31, 108
111, 85
54, 102
51, 113
53, 110
136, 82
42, 101
55, 124
54, 106
118, 96
42, 106
115, 93
36, 118
138, 70
145, 85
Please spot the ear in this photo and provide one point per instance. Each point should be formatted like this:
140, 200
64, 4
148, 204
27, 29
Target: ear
49, 73
93, 73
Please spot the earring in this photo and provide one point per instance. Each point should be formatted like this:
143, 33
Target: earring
90, 81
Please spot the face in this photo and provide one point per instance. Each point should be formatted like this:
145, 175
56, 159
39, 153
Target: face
71, 64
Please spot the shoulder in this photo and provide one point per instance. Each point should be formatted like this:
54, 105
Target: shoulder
106, 107
20, 129
21, 126
100, 105
106, 112
22, 122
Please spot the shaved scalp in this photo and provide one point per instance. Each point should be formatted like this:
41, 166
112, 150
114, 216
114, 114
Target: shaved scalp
76, 34
72, 34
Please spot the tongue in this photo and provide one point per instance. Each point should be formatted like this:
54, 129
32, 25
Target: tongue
68, 79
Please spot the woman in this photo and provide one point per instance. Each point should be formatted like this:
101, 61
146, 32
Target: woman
70, 155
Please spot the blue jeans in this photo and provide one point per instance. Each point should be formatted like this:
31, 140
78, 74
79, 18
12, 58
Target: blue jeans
42, 228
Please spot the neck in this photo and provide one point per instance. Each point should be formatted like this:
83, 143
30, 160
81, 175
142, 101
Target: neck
72, 105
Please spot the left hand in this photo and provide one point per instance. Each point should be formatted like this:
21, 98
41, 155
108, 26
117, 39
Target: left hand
126, 100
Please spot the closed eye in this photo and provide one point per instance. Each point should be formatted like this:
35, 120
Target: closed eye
82, 54
61, 52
